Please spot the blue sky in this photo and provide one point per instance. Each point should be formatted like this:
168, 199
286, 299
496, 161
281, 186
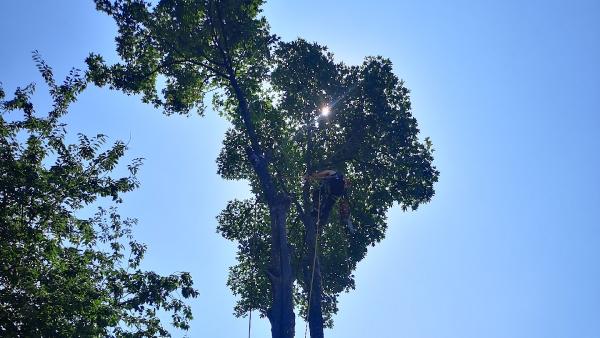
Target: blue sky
508, 91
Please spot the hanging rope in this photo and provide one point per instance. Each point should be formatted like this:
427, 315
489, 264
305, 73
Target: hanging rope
312, 274
252, 243
249, 322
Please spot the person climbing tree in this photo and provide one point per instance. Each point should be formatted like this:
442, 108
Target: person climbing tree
331, 186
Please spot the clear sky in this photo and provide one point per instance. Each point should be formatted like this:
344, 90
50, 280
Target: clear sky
508, 91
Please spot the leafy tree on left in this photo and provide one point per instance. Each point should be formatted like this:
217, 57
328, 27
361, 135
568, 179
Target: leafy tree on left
63, 275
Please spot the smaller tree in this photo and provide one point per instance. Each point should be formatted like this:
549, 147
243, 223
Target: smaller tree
63, 275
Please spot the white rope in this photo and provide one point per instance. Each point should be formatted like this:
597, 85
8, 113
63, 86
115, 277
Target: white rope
249, 323
312, 275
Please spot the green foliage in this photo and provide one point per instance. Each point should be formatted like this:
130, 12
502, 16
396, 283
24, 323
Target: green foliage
370, 136
179, 40
248, 222
63, 275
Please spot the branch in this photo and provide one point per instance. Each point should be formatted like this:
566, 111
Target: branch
221, 24
348, 149
293, 198
216, 39
212, 69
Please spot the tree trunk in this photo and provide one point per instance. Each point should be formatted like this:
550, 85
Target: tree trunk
312, 280
281, 314
312, 274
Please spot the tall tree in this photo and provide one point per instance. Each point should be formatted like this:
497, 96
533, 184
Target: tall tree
273, 93
326, 116
200, 45
62, 274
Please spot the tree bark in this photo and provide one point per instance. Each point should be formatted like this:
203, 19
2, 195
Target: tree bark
312, 280
312, 273
281, 314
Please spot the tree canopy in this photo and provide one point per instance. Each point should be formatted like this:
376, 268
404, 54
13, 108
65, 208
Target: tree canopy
179, 40
63, 274
273, 93
369, 134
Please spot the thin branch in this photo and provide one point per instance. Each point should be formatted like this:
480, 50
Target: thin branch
212, 69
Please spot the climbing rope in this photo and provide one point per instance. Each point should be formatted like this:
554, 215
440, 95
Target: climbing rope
312, 274
249, 322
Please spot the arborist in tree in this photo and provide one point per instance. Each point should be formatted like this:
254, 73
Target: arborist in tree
333, 186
